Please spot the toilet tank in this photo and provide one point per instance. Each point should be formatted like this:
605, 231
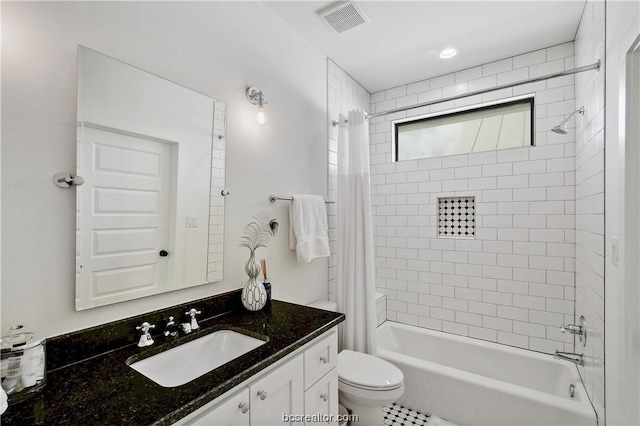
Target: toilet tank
327, 305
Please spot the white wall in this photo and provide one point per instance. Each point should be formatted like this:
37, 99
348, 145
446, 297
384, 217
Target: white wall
589, 45
0, 161
622, 301
344, 94
513, 283
217, 48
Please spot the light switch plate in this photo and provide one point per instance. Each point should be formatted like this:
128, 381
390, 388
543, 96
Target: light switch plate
192, 222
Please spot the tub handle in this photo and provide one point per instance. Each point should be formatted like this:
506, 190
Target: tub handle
324, 359
579, 329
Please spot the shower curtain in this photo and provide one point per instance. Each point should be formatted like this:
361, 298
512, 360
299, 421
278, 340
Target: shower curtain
355, 292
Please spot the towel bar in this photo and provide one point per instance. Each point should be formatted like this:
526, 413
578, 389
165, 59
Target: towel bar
274, 198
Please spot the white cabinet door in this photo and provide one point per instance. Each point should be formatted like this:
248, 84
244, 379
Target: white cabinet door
232, 412
278, 395
321, 401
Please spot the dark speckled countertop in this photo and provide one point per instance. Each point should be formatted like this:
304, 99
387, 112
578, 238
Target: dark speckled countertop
90, 383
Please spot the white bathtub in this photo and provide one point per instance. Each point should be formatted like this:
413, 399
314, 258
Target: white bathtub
473, 382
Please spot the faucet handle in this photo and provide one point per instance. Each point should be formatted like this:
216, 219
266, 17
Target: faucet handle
145, 338
145, 327
192, 313
579, 329
571, 328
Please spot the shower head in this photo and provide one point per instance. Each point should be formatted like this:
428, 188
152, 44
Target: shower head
562, 127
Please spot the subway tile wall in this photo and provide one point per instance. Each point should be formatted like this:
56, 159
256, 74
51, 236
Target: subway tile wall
590, 246
381, 308
216, 205
344, 94
513, 283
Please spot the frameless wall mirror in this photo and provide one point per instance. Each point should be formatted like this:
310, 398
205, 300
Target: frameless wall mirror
150, 214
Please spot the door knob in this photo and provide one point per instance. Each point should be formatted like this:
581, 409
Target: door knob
163, 253
262, 394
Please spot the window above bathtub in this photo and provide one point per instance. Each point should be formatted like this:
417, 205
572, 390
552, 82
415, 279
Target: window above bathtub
487, 127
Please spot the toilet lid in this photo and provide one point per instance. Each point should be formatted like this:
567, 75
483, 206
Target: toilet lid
366, 371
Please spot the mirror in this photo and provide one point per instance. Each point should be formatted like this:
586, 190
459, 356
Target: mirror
150, 214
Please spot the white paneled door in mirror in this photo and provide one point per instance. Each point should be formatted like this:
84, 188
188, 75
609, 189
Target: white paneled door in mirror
150, 214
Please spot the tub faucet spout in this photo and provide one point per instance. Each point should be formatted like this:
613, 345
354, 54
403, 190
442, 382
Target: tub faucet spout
569, 356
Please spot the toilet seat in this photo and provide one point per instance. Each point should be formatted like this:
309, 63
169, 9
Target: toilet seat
367, 372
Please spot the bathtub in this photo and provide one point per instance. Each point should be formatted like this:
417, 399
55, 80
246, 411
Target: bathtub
473, 382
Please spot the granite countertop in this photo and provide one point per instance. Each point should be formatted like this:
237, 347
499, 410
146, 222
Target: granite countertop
93, 389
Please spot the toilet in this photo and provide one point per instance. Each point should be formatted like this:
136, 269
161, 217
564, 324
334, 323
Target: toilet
365, 383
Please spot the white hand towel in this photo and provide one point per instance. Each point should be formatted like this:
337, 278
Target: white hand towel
308, 229
3, 400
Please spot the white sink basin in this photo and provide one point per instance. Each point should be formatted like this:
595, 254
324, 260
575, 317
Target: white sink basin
191, 360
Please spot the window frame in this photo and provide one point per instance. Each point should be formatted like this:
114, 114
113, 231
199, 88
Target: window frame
523, 99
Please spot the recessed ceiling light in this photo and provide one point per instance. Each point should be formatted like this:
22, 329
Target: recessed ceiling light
448, 52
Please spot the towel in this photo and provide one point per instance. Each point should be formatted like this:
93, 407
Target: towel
3, 400
308, 229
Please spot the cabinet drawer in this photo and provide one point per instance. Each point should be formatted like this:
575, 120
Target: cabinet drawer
320, 358
321, 401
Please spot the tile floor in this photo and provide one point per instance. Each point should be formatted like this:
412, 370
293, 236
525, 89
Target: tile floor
397, 415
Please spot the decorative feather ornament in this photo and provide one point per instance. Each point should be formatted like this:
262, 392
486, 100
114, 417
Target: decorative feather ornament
257, 233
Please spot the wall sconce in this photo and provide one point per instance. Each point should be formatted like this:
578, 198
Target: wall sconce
256, 97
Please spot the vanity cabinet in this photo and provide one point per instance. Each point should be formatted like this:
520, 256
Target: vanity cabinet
303, 383
278, 393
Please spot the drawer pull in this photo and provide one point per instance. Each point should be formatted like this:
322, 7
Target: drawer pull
324, 359
262, 394
324, 397
244, 407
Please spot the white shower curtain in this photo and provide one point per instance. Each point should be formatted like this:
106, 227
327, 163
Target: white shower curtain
356, 287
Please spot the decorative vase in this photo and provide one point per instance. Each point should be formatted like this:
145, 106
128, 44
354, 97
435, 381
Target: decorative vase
254, 296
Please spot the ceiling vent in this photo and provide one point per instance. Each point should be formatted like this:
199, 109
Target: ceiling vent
343, 16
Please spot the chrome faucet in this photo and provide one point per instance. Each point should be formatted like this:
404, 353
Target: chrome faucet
145, 337
569, 356
171, 328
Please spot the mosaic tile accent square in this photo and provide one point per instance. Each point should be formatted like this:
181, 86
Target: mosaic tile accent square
397, 415
457, 217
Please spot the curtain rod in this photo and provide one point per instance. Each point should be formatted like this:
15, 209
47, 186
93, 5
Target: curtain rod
594, 66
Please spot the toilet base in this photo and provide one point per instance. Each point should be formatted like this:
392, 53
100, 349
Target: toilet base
368, 410
367, 415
